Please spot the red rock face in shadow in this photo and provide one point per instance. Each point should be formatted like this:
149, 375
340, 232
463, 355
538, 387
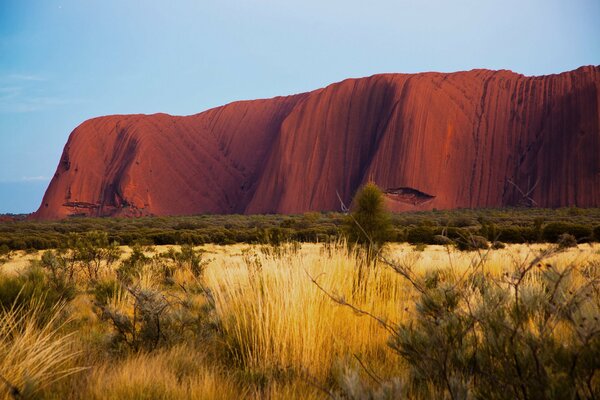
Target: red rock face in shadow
433, 140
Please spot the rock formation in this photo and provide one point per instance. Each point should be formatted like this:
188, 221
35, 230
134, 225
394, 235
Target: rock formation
431, 140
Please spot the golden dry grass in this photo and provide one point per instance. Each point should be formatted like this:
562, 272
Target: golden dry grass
279, 333
275, 318
33, 352
176, 373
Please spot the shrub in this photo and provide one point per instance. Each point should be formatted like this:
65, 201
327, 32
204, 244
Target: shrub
597, 233
30, 286
552, 231
94, 250
481, 336
496, 245
369, 224
511, 234
61, 267
472, 242
5, 253
566, 240
187, 258
420, 247
421, 234
443, 240
462, 222
132, 266
146, 318
105, 291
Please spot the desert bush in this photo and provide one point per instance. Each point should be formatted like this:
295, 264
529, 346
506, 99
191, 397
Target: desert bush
472, 242
105, 291
31, 285
145, 318
93, 251
420, 247
421, 234
61, 266
186, 258
443, 240
515, 226
552, 231
511, 234
597, 233
497, 245
5, 253
289, 249
462, 222
352, 386
132, 265
369, 224
566, 240
531, 332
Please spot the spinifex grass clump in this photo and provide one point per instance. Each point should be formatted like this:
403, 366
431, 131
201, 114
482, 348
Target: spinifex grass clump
33, 352
277, 324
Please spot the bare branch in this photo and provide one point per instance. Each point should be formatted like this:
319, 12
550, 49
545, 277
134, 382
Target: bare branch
368, 370
342, 302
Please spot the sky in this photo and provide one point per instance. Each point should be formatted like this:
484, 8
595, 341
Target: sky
64, 61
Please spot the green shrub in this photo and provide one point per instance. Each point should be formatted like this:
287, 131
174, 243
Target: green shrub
5, 253
158, 319
61, 267
31, 286
105, 290
512, 234
132, 266
552, 231
566, 240
443, 240
477, 336
421, 234
597, 233
462, 222
93, 251
420, 247
507, 225
496, 245
369, 223
186, 257
472, 242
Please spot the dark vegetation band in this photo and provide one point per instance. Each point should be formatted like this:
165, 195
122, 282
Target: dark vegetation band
518, 225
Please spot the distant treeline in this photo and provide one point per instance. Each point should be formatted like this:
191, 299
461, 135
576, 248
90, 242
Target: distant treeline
516, 225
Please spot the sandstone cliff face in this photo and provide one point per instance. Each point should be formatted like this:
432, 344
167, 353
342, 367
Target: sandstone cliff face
433, 140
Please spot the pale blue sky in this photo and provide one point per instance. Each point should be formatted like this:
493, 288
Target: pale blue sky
64, 61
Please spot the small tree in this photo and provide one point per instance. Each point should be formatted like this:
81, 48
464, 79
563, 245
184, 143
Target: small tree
93, 250
368, 225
